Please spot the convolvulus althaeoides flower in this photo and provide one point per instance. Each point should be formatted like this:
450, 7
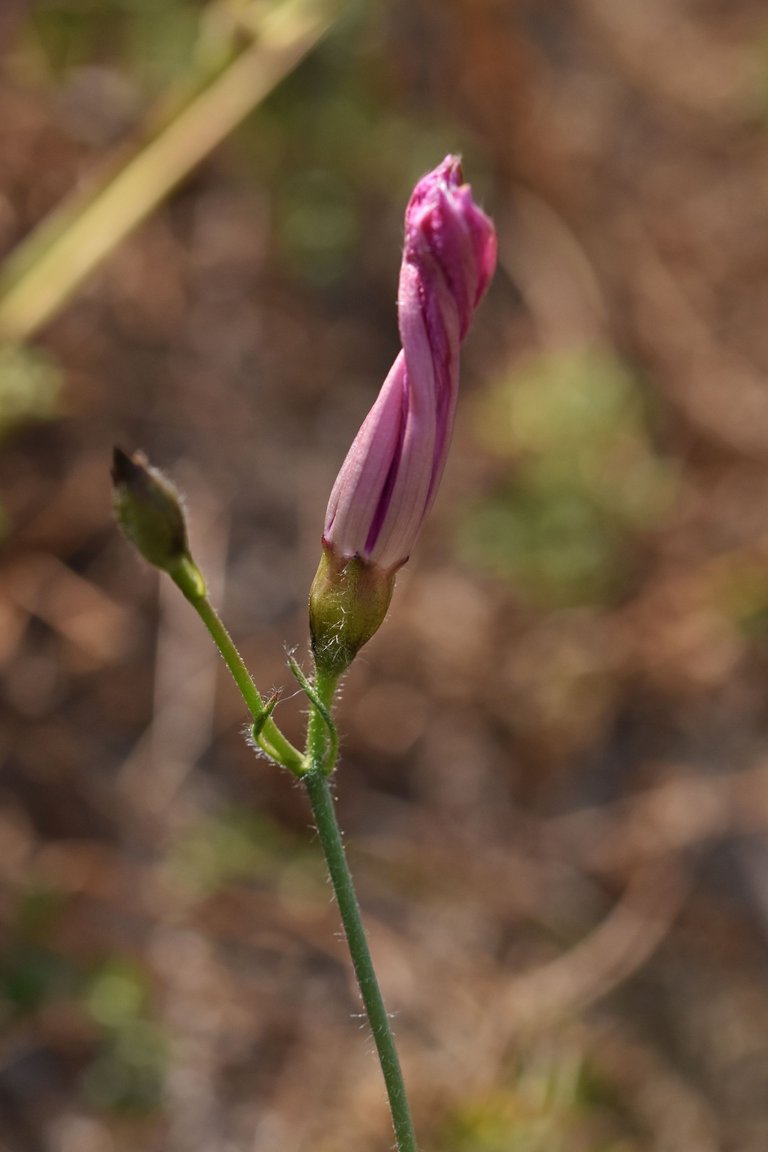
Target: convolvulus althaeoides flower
392, 471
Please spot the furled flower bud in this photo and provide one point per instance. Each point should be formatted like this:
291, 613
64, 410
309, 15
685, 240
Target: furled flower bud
148, 509
392, 471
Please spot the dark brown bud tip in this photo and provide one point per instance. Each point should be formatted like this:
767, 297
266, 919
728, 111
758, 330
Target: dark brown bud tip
127, 469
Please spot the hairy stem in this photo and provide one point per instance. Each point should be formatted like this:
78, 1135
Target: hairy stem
321, 799
271, 739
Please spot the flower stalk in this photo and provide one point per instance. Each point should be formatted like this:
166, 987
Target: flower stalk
319, 793
151, 514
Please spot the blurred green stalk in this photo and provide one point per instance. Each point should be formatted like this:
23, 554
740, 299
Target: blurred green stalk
47, 267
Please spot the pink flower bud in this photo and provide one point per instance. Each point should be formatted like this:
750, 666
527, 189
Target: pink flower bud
392, 471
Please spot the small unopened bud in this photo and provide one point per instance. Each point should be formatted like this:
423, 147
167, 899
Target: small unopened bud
347, 604
148, 509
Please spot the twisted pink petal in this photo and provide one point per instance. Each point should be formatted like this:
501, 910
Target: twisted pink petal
392, 471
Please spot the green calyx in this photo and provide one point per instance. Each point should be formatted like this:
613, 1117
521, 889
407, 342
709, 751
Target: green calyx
148, 509
347, 604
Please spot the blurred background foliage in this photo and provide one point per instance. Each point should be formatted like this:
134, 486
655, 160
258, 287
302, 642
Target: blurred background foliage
554, 778
565, 523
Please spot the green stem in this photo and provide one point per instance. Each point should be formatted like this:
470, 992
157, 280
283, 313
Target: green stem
314, 768
274, 743
319, 793
322, 748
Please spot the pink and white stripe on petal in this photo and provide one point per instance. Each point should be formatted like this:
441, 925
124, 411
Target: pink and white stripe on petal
392, 471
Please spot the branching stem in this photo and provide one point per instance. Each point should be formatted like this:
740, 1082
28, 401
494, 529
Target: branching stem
270, 738
314, 768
